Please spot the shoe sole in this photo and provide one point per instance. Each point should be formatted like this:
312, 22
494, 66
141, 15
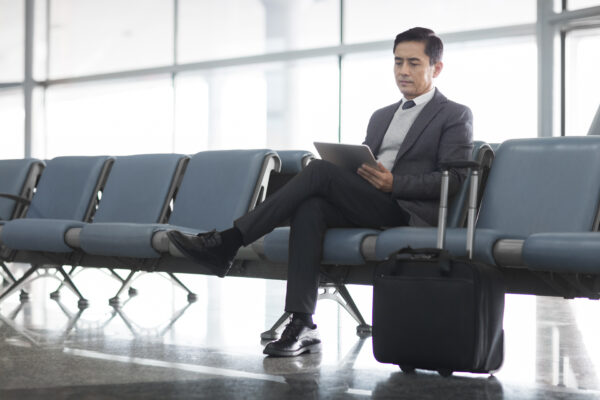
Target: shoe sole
313, 348
212, 267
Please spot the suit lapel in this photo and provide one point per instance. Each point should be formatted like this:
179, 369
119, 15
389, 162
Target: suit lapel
425, 116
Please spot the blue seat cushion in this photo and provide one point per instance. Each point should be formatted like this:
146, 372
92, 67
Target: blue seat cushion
577, 252
35, 234
124, 239
341, 245
394, 239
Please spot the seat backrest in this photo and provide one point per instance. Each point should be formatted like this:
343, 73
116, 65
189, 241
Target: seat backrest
292, 163
221, 186
17, 178
457, 211
68, 188
139, 188
543, 185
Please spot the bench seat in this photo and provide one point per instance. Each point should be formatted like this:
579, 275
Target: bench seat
574, 252
342, 246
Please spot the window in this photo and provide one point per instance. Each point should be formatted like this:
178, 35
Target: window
497, 79
216, 29
12, 37
502, 95
367, 84
577, 4
582, 81
114, 118
275, 105
11, 121
370, 20
94, 36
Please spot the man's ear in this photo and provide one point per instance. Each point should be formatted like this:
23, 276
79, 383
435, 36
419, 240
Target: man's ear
437, 68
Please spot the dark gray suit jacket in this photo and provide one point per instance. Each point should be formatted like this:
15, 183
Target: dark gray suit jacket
443, 131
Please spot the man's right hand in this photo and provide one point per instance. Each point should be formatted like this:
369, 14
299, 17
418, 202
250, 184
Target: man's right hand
380, 177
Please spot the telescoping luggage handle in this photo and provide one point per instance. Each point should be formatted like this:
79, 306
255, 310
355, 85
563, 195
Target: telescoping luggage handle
443, 215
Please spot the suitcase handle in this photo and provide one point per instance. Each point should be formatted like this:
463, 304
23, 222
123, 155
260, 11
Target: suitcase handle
443, 256
472, 209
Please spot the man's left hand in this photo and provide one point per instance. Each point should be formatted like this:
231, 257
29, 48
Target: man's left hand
379, 176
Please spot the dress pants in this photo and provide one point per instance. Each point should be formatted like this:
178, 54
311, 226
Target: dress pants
322, 196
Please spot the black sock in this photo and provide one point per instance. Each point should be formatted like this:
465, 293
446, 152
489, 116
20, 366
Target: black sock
232, 240
305, 318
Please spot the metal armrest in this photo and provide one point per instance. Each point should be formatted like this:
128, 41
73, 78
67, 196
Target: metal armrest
18, 199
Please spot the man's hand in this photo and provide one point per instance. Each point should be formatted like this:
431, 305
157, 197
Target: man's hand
378, 176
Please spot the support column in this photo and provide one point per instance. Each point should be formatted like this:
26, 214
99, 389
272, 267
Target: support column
546, 33
28, 83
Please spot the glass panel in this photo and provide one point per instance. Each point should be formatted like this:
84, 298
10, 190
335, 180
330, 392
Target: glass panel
278, 105
113, 118
12, 37
245, 27
577, 4
503, 94
369, 20
582, 80
13, 124
368, 84
93, 36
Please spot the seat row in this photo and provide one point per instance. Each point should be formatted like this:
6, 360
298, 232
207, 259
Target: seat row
114, 206
537, 219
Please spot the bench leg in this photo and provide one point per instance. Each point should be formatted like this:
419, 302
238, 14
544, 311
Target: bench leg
116, 301
330, 291
19, 283
75, 270
191, 296
339, 293
56, 294
131, 291
273, 334
9, 278
83, 302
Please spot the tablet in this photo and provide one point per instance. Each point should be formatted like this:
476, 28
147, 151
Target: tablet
347, 156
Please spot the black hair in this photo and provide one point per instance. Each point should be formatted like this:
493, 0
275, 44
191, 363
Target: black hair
434, 48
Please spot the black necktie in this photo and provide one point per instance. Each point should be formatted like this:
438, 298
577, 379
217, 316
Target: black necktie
408, 104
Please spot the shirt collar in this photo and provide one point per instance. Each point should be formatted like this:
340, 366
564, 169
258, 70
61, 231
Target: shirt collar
422, 99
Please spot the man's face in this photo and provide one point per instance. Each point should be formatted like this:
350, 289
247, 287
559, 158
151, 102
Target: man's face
414, 75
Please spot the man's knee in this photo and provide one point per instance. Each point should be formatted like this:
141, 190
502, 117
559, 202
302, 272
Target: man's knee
320, 166
309, 209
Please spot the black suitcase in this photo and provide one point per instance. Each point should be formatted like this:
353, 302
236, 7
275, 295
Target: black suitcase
437, 312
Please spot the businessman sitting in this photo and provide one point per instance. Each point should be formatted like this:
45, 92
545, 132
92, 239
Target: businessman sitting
410, 139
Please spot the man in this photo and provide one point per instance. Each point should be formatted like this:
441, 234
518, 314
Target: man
410, 139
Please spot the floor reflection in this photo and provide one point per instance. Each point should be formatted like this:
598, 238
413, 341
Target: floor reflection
562, 357
410, 386
158, 345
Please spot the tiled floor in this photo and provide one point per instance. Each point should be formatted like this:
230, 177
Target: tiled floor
159, 346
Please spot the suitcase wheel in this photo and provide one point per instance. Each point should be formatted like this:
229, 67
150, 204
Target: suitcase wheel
407, 369
445, 372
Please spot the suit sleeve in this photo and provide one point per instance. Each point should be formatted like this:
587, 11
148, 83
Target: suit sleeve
455, 144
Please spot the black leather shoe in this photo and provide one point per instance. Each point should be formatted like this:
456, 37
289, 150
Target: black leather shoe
206, 249
296, 339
